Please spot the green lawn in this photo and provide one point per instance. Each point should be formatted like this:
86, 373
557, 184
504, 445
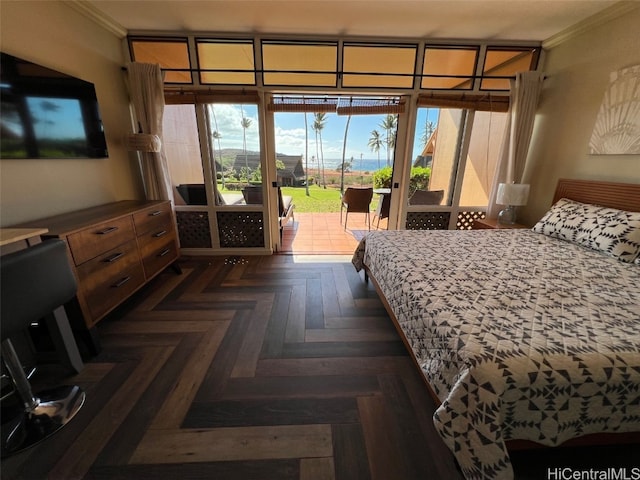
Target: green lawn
319, 199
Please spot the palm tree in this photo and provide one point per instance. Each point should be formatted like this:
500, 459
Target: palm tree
389, 125
375, 144
344, 150
246, 123
217, 136
318, 125
317, 155
306, 155
429, 128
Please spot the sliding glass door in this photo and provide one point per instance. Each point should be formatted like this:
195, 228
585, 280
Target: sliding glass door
225, 156
217, 168
455, 153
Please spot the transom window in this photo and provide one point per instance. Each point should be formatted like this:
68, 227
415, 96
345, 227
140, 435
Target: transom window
378, 65
505, 62
299, 64
226, 62
335, 63
171, 54
449, 67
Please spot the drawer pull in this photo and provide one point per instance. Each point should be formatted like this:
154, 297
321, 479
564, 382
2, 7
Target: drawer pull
164, 252
121, 282
160, 234
106, 230
113, 257
155, 213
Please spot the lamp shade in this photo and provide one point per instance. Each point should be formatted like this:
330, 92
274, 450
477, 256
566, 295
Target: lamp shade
512, 193
143, 142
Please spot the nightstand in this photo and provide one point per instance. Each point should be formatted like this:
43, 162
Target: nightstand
492, 223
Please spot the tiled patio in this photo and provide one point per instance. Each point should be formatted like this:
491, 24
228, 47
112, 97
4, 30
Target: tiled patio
322, 233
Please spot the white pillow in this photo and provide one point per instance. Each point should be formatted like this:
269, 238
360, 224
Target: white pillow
614, 232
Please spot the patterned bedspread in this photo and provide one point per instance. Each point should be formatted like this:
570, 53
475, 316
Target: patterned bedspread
520, 335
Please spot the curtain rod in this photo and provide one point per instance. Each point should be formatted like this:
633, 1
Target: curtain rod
338, 72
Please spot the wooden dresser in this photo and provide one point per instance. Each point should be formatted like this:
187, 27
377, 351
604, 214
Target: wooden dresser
115, 249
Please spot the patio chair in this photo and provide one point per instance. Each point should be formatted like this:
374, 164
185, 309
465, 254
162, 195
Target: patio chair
192, 193
383, 207
426, 197
285, 210
252, 195
356, 200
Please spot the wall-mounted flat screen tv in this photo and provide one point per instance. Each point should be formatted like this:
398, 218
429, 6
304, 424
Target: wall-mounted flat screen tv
47, 114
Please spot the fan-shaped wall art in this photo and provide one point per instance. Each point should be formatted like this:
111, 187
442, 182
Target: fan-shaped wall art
617, 128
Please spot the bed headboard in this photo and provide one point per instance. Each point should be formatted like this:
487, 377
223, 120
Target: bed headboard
623, 196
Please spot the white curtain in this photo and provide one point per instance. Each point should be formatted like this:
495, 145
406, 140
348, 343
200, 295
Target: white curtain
525, 93
146, 89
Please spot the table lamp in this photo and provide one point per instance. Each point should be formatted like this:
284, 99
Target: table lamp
512, 195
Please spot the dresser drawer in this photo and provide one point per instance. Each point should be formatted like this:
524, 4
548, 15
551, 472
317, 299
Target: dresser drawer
100, 238
116, 248
152, 218
157, 256
108, 265
114, 290
158, 247
158, 234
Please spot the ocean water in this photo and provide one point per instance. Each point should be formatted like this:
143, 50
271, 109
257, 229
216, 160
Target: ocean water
364, 165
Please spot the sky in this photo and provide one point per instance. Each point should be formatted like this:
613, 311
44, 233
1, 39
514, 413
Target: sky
54, 118
290, 132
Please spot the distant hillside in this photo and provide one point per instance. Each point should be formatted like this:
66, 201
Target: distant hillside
229, 154
232, 152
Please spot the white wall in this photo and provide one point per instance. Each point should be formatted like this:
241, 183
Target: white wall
578, 75
54, 35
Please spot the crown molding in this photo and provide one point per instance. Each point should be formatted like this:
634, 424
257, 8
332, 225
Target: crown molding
85, 8
614, 11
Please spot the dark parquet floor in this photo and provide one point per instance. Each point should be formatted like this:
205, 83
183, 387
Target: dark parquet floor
253, 368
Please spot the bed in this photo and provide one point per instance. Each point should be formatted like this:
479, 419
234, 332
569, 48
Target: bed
525, 334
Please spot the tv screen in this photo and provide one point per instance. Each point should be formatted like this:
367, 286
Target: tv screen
47, 114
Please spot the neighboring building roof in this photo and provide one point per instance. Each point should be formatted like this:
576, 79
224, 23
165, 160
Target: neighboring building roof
292, 163
430, 146
425, 159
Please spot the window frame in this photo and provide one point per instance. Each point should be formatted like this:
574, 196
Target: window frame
161, 39
471, 78
420, 47
231, 41
406, 122
270, 42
